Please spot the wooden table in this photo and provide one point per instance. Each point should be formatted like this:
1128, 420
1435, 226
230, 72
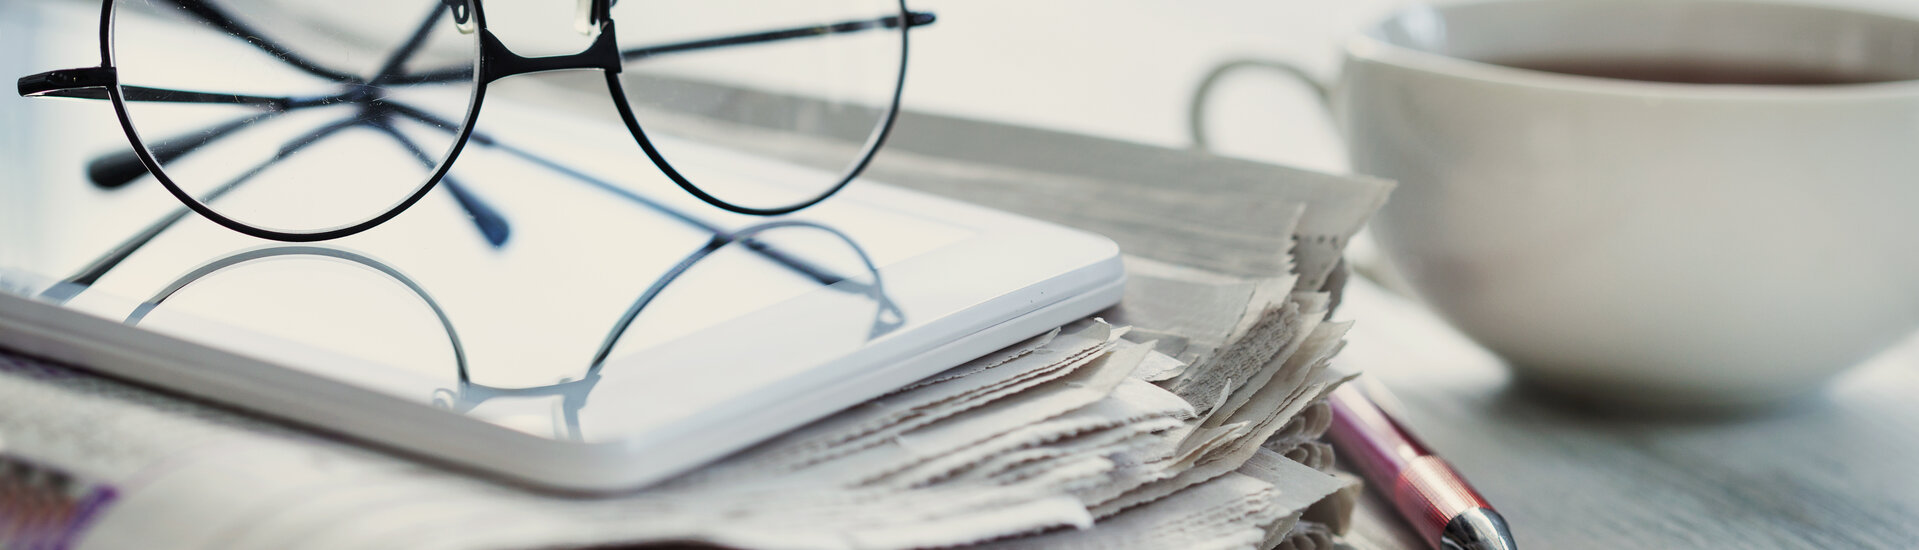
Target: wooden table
1835, 471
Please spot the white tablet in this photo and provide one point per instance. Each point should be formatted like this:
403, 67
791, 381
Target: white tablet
605, 346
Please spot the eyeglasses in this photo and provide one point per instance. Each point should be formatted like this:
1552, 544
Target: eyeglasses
308, 121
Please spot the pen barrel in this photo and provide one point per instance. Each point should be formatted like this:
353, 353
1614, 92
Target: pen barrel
1425, 490
1430, 494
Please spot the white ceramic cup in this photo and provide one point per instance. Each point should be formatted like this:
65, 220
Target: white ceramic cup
1638, 243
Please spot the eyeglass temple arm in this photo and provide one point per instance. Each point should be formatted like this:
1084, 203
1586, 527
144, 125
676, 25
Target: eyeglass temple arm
492, 225
214, 16
495, 230
115, 170
92, 83
478, 137
122, 168
913, 19
99, 267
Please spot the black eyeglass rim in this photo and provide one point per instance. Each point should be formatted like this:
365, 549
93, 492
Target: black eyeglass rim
877, 139
493, 62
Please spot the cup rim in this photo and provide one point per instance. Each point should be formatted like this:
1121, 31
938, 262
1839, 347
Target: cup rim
1365, 45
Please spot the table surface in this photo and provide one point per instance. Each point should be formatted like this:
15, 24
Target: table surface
1835, 471
1832, 472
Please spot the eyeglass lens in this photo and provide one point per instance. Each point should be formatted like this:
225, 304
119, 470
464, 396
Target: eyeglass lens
803, 81
282, 118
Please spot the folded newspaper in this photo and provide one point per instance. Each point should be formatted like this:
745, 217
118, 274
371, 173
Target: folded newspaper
1187, 417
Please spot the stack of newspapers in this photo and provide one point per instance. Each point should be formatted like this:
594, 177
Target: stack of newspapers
1189, 416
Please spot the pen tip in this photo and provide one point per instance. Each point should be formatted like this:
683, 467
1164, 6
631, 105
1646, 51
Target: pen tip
1477, 529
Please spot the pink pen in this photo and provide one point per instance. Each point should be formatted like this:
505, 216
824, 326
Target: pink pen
1445, 510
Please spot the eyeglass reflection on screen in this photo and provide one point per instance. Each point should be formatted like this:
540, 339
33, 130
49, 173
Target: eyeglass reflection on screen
322, 296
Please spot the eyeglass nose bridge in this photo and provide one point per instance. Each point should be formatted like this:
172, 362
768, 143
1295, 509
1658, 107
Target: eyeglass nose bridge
497, 61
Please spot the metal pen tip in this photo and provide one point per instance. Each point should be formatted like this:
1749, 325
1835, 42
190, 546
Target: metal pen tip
1477, 529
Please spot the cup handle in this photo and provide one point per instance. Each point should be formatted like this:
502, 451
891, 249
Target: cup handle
1196, 109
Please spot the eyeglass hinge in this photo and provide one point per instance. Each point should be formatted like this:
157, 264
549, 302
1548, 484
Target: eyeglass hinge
87, 82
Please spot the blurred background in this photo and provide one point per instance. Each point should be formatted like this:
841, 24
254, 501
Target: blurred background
1126, 70
1129, 70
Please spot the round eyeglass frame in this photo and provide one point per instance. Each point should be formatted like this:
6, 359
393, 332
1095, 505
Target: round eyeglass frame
493, 62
